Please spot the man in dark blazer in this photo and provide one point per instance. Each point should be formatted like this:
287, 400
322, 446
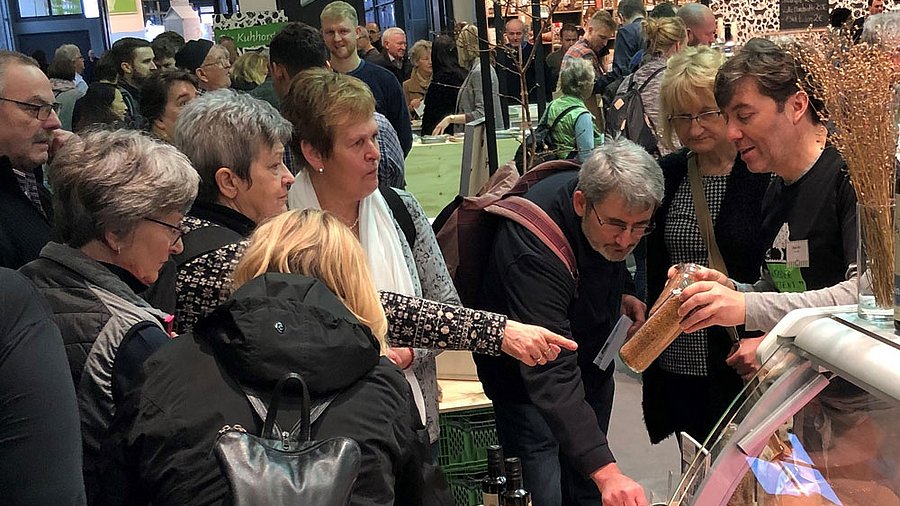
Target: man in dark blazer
393, 56
29, 132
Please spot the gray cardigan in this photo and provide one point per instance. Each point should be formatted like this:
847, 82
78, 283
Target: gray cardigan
470, 100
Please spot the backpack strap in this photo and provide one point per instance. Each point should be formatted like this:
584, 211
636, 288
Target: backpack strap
401, 213
652, 76
532, 217
540, 172
300, 431
204, 240
563, 114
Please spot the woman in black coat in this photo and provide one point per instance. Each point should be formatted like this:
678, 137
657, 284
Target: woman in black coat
689, 387
304, 303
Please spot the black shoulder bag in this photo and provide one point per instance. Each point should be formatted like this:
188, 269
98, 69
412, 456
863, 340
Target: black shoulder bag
285, 467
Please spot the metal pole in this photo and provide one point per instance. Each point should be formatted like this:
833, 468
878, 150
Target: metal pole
490, 134
538, 63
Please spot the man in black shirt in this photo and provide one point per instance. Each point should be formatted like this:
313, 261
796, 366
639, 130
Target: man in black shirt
555, 416
809, 210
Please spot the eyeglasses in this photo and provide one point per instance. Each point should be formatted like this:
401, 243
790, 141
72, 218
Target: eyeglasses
40, 111
703, 119
225, 63
618, 227
177, 228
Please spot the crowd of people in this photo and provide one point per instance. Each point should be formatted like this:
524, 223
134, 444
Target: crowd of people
165, 211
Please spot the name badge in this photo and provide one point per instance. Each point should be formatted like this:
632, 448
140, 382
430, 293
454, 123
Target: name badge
798, 253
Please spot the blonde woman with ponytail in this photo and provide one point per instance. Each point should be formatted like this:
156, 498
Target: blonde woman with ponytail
303, 302
665, 37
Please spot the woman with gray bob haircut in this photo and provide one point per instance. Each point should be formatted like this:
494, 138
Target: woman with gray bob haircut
624, 168
236, 143
575, 133
119, 197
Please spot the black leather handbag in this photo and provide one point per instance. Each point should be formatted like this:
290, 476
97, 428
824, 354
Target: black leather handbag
285, 467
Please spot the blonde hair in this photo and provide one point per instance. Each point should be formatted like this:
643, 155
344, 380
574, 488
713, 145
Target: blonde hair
315, 243
663, 33
418, 51
467, 46
340, 10
689, 78
251, 67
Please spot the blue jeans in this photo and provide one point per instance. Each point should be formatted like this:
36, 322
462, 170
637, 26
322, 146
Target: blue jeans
548, 474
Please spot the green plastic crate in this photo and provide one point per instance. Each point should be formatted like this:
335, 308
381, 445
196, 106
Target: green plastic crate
465, 436
465, 483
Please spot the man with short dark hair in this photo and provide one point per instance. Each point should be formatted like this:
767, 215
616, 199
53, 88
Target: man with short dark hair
875, 7
374, 35
630, 37
700, 23
29, 132
165, 46
338, 22
555, 417
298, 47
133, 58
394, 57
568, 35
809, 210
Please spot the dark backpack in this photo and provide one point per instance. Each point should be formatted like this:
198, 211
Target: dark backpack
466, 228
626, 117
542, 139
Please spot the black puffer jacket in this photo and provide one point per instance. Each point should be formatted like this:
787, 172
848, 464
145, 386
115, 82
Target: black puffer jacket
161, 444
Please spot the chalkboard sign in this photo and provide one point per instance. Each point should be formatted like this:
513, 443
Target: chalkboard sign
803, 13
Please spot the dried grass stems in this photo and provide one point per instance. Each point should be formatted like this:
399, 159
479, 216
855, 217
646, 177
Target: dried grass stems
857, 85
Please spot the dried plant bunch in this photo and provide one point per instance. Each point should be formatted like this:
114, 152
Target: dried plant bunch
857, 83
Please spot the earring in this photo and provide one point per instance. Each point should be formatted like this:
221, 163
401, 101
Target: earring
321, 170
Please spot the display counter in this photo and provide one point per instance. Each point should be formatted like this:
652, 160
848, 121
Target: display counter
819, 425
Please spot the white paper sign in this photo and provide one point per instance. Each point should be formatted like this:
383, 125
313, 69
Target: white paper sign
798, 253
613, 343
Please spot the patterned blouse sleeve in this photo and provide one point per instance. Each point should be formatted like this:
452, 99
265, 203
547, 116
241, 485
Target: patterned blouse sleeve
421, 323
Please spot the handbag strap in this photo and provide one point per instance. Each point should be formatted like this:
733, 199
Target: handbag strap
310, 412
704, 221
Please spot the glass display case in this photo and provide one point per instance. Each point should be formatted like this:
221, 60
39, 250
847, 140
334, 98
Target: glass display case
819, 425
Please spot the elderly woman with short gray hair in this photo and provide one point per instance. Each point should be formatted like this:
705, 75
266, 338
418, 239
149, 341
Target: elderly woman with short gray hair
236, 143
119, 198
575, 133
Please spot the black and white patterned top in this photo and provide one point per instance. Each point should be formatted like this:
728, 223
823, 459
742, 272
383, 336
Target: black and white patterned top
687, 354
204, 282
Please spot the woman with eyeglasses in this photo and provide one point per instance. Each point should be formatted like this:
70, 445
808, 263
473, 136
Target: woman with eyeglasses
689, 387
119, 197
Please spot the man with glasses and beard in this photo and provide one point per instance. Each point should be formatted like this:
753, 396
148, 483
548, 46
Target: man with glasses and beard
29, 132
555, 416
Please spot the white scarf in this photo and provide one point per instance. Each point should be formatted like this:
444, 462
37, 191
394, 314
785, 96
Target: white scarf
381, 242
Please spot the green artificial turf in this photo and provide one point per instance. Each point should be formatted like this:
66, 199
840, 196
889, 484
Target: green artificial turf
432, 172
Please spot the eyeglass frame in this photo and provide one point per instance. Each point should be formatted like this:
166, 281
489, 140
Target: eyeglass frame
176, 228
37, 109
713, 114
624, 227
225, 63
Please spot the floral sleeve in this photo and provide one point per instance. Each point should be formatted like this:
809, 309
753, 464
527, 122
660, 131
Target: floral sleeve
421, 323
